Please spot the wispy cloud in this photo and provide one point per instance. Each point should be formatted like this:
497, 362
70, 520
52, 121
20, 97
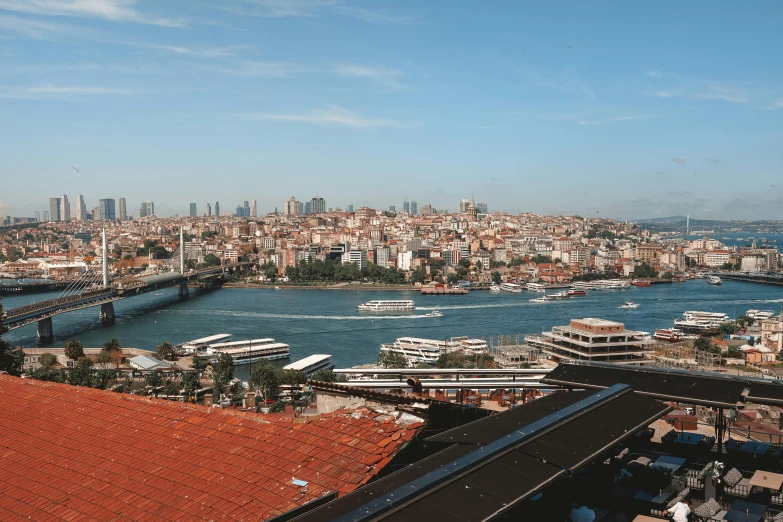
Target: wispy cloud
679, 161
333, 115
380, 75
609, 121
60, 92
313, 9
654, 74
115, 10
264, 69
197, 51
775, 106
697, 88
729, 94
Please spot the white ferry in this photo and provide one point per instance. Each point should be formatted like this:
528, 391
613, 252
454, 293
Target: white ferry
494, 288
760, 315
247, 352
511, 287
536, 287
712, 317
311, 364
387, 306
695, 326
471, 346
714, 280
557, 296
199, 345
415, 351
671, 335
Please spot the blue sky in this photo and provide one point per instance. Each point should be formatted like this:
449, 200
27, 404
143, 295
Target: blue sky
632, 109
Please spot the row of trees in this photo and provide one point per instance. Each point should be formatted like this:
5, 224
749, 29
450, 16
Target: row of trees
453, 360
334, 270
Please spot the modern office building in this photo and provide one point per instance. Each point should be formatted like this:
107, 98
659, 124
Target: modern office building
356, 256
209, 210
463, 205
292, 207
217, 208
81, 208
317, 205
37, 216
123, 210
106, 210
482, 208
253, 208
193, 210
143, 210
350, 209
406, 207
392, 208
414, 208
308, 208
382, 257
54, 209
46, 215
65, 209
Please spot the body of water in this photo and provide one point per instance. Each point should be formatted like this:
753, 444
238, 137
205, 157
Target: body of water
326, 321
741, 239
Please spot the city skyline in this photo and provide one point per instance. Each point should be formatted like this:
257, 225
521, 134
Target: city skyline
548, 108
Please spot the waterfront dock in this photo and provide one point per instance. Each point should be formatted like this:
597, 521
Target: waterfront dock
443, 290
763, 278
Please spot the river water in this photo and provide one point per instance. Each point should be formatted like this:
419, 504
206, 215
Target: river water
326, 321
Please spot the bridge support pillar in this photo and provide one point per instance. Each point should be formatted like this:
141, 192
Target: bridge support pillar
107, 313
45, 330
183, 290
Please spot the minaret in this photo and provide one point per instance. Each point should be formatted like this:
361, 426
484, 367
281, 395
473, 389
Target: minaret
105, 261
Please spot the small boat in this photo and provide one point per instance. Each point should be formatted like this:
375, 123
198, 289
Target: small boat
668, 334
434, 313
557, 296
539, 300
495, 288
628, 305
277, 287
714, 280
576, 293
639, 282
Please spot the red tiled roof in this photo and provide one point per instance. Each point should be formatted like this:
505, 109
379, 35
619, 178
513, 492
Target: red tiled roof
71, 453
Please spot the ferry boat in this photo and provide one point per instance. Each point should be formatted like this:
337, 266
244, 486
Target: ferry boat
639, 282
387, 306
630, 305
199, 345
580, 285
557, 296
576, 293
427, 351
700, 327
671, 335
760, 315
511, 287
712, 317
714, 280
536, 287
311, 364
246, 352
471, 346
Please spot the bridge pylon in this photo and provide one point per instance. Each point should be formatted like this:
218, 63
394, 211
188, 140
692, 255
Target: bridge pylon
105, 260
45, 330
181, 252
107, 313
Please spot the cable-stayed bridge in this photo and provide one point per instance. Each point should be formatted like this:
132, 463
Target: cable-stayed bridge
94, 288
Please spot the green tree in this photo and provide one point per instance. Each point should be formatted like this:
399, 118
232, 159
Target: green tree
74, 349
293, 378
212, 260
479, 265
153, 381
113, 347
418, 276
165, 350
734, 352
104, 379
190, 383
667, 275
464, 263
744, 321
292, 273
645, 270
324, 375
726, 329
222, 373
47, 360
271, 273
388, 359
104, 358
705, 344
277, 407
496, 278
81, 373
171, 388
198, 364
265, 378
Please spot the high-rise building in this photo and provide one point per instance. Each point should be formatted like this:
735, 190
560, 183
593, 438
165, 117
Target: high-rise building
392, 208
217, 209
209, 210
308, 207
350, 209
106, 210
238, 213
81, 208
65, 209
123, 210
150, 208
291, 207
193, 211
46, 215
463, 205
406, 207
317, 205
482, 208
54, 209
37, 216
414, 208
253, 208
143, 210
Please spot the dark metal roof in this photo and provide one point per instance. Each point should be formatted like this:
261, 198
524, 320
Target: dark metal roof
490, 470
162, 278
766, 393
708, 389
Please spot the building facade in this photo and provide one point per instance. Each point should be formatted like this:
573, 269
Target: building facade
123, 210
54, 209
106, 210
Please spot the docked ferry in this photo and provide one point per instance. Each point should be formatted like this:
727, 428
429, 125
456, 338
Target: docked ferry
427, 351
387, 306
671, 335
247, 352
197, 346
511, 287
712, 317
639, 282
536, 287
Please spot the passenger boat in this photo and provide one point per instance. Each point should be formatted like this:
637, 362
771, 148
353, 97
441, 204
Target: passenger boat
639, 282
199, 345
714, 280
713, 317
495, 288
671, 335
311, 364
511, 287
760, 315
247, 352
426, 351
576, 293
629, 305
387, 306
434, 313
557, 296
536, 287
471, 346
539, 300
699, 327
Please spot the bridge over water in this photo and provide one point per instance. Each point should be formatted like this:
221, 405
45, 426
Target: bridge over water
105, 294
758, 277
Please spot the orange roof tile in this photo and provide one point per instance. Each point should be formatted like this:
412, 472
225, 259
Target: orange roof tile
71, 453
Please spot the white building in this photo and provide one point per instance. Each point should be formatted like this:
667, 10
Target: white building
382, 256
715, 258
404, 260
356, 256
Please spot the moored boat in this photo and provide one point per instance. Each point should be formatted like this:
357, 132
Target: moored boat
639, 282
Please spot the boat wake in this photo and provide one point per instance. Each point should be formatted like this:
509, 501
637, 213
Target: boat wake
297, 316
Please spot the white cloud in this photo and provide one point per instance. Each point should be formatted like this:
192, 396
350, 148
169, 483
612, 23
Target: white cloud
717, 92
379, 75
608, 121
775, 106
60, 92
312, 9
265, 69
333, 115
115, 10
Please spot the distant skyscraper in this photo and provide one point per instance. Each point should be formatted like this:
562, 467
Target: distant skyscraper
217, 209
81, 209
209, 210
46, 215
106, 210
65, 209
54, 209
317, 205
150, 206
143, 210
291, 207
238, 213
392, 208
253, 208
193, 211
123, 210
463, 205
350, 209
37, 216
414, 208
308, 207
482, 208
406, 207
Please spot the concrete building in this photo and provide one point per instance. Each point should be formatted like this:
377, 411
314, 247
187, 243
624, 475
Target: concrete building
772, 333
253, 208
123, 209
54, 209
65, 209
404, 260
106, 210
217, 209
406, 207
414, 208
317, 206
81, 208
715, 258
356, 256
209, 210
291, 207
382, 256
193, 210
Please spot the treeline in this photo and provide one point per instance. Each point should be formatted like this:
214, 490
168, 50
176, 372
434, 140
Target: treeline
334, 270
